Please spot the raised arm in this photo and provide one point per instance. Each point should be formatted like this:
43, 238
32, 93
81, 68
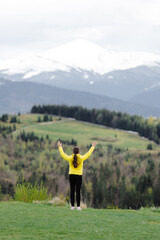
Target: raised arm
87, 155
63, 154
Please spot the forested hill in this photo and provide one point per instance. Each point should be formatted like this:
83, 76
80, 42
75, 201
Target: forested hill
146, 128
123, 171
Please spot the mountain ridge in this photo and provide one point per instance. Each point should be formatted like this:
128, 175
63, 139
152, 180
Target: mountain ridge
76, 66
21, 96
150, 97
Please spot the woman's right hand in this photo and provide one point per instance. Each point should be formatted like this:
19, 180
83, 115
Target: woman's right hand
59, 144
94, 144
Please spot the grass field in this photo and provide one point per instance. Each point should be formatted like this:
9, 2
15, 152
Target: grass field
44, 222
83, 132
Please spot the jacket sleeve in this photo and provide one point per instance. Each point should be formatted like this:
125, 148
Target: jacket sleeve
65, 156
87, 155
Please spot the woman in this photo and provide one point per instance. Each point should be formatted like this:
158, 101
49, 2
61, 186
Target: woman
75, 171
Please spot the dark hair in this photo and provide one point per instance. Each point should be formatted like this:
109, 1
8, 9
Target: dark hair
75, 151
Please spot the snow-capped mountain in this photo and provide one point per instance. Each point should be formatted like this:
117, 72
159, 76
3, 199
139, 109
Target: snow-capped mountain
88, 56
34, 65
82, 65
84, 55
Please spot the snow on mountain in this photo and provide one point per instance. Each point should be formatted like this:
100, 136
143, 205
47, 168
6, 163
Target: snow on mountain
88, 56
34, 65
152, 87
81, 55
6, 64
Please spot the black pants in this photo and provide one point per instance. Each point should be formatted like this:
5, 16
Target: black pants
75, 184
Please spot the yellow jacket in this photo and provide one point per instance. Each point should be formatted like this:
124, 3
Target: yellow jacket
80, 160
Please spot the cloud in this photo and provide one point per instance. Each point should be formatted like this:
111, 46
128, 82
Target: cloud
119, 24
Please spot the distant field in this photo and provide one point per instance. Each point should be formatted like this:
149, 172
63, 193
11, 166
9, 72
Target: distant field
21, 221
83, 132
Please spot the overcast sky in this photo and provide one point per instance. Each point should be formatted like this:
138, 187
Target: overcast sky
121, 25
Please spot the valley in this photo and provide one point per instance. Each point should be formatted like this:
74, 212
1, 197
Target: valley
122, 172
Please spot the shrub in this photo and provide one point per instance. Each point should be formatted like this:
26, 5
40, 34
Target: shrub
27, 192
68, 141
149, 146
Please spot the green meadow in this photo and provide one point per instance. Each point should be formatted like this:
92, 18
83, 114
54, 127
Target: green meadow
83, 132
20, 221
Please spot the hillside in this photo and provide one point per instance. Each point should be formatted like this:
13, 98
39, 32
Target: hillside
40, 221
68, 128
122, 171
21, 96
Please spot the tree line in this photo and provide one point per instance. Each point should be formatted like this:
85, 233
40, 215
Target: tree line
104, 117
7, 129
5, 118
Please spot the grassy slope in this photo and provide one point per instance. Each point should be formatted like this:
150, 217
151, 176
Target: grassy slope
32, 221
84, 133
